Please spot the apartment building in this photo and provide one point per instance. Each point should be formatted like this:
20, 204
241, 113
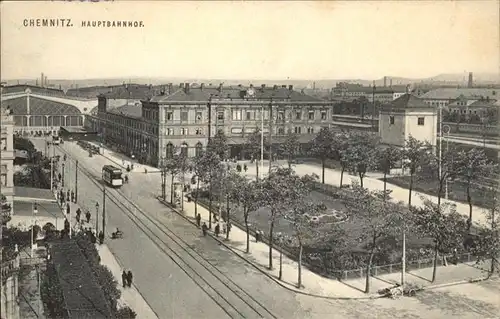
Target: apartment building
178, 119
7, 158
383, 94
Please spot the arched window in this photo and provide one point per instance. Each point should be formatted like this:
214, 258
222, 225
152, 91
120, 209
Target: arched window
184, 149
198, 149
169, 151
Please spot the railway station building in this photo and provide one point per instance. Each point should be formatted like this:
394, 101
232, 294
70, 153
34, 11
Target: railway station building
152, 129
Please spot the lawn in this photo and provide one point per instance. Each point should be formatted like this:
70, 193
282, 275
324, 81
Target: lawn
456, 189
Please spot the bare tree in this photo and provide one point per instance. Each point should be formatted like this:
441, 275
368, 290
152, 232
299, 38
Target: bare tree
290, 148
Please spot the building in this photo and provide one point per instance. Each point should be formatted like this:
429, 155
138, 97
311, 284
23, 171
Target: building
407, 116
7, 158
178, 118
444, 96
384, 94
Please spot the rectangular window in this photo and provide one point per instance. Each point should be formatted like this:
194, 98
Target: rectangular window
220, 115
298, 130
184, 116
4, 144
199, 117
236, 130
4, 169
236, 115
281, 131
250, 115
310, 130
184, 131
421, 121
391, 120
281, 115
4, 179
169, 131
323, 115
298, 115
169, 116
199, 131
311, 115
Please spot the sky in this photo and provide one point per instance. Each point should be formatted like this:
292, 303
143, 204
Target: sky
252, 40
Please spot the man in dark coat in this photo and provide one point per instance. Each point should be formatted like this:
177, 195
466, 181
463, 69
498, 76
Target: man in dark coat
68, 209
217, 230
124, 279
204, 229
87, 215
68, 195
129, 278
72, 196
198, 220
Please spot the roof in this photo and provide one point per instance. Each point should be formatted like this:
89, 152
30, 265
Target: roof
484, 103
455, 93
39, 106
32, 192
408, 101
83, 297
128, 110
34, 89
235, 93
45, 209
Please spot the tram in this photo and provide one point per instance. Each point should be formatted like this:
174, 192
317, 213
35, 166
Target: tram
112, 176
56, 140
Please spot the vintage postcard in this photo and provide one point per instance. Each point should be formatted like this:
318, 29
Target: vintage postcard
250, 159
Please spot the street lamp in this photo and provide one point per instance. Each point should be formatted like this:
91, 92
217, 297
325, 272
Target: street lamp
34, 212
163, 178
97, 217
280, 237
62, 180
446, 131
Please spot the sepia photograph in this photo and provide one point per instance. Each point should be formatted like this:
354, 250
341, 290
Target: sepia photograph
250, 159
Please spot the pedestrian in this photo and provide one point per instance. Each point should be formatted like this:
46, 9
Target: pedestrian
72, 196
78, 211
238, 168
87, 215
124, 279
59, 177
67, 195
257, 236
224, 228
101, 237
129, 278
229, 225
217, 230
245, 168
77, 218
68, 209
198, 219
204, 229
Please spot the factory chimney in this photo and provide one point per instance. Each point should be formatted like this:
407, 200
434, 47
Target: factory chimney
41, 80
471, 80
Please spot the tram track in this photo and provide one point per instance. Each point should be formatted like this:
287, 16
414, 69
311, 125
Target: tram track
226, 293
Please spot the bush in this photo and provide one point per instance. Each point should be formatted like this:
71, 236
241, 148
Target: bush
88, 249
51, 293
125, 313
108, 284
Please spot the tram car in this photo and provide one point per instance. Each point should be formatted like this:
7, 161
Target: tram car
112, 176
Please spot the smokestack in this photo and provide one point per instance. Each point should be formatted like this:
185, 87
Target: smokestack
390, 82
186, 88
275, 87
220, 88
290, 87
36, 82
202, 86
470, 84
385, 81
46, 81
181, 85
41, 80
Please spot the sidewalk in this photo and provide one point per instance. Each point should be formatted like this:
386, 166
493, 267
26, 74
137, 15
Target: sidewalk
129, 296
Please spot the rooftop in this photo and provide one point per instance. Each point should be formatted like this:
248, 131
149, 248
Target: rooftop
128, 110
83, 296
44, 209
455, 93
408, 101
39, 106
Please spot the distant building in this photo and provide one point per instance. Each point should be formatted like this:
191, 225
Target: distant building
383, 94
407, 116
153, 128
7, 157
444, 96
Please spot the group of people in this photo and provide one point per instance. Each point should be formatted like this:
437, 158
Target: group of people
127, 279
226, 227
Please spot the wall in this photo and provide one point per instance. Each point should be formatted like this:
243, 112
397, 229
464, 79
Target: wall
393, 134
426, 132
9, 289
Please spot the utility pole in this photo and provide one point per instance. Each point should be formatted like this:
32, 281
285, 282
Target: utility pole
209, 106
52, 173
270, 134
261, 142
104, 210
373, 107
76, 181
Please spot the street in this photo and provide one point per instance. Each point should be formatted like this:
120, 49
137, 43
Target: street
172, 293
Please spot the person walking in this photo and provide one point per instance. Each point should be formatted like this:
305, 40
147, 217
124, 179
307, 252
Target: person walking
124, 279
129, 278
245, 168
217, 230
72, 196
198, 220
68, 195
204, 229
68, 209
87, 215
101, 237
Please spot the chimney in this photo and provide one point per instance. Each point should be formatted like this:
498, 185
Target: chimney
471, 80
263, 86
46, 81
202, 86
284, 86
390, 82
41, 80
275, 87
385, 81
36, 82
186, 88
408, 89
290, 87
59, 86
170, 88
181, 85
219, 88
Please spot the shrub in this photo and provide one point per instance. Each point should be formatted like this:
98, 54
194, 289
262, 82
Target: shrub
125, 313
108, 284
51, 293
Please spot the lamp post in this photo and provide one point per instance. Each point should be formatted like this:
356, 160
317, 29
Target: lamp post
446, 131
163, 179
97, 218
62, 179
280, 237
34, 212
261, 142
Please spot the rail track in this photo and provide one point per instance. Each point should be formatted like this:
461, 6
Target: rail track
228, 295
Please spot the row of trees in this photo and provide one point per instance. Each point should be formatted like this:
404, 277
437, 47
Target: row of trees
286, 194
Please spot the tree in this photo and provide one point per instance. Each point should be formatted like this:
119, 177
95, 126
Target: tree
125, 313
218, 144
204, 165
472, 166
176, 165
388, 158
278, 191
360, 153
378, 217
246, 194
441, 169
290, 148
443, 224
342, 143
415, 154
303, 217
253, 147
322, 147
